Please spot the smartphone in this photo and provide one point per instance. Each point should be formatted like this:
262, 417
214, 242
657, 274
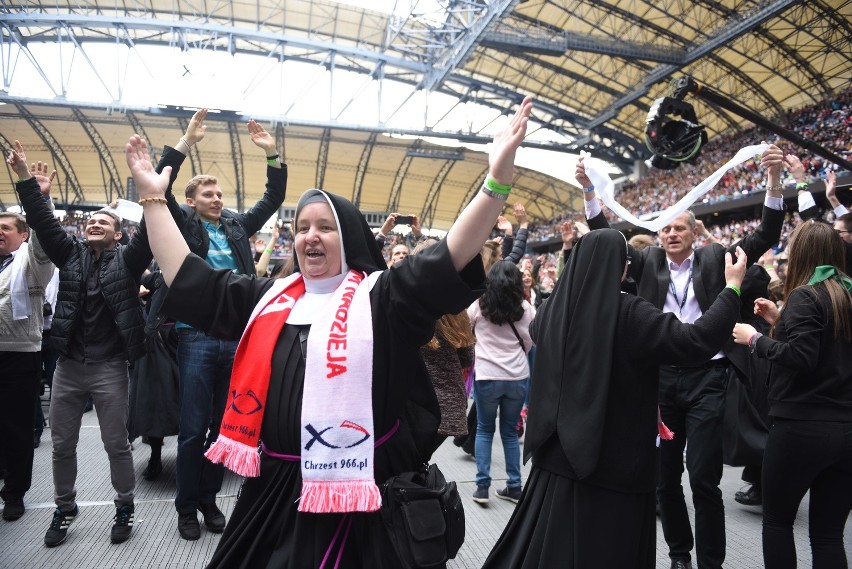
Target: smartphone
404, 219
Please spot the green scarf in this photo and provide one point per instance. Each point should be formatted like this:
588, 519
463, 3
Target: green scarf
825, 272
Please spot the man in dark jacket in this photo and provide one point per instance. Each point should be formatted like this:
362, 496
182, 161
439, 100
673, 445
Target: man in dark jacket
97, 329
221, 237
679, 279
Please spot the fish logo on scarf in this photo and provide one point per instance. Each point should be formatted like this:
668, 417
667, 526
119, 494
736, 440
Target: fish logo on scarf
338, 435
253, 405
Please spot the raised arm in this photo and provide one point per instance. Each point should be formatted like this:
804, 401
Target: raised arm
472, 227
33, 189
164, 237
276, 181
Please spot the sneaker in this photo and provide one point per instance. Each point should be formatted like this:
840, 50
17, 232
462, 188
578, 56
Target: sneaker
58, 530
13, 509
480, 496
511, 494
123, 523
188, 526
214, 519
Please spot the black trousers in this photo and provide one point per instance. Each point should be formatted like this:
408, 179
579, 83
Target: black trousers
692, 403
19, 383
802, 456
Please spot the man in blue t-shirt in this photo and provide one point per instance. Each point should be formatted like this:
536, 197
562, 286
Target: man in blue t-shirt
221, 237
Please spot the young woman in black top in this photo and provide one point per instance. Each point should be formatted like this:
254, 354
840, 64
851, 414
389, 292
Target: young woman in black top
810, 396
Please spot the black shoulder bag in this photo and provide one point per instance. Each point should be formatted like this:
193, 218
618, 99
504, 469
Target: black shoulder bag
423, 516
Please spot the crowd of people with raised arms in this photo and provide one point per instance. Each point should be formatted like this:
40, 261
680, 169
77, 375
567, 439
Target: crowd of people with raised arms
348, 367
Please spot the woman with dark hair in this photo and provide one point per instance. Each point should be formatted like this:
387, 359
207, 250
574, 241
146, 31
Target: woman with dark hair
589, 500
328, 380
810, 398
500, 320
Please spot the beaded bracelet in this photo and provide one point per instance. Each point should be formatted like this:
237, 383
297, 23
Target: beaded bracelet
143, 201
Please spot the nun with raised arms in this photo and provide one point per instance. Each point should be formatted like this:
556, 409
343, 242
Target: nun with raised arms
328, 380
593, 420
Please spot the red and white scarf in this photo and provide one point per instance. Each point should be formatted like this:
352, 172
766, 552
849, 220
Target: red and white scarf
337, 435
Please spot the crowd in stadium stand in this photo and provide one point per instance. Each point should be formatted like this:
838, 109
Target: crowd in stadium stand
828, 123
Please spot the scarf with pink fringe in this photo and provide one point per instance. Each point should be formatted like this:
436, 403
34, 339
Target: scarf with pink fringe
337, 407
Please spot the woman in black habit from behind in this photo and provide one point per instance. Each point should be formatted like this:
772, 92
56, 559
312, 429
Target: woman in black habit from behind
589, 500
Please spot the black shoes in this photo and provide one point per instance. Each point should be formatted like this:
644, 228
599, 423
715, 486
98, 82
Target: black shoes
188, 526
751, 497
123, 523
153, 470
480, 495
13, 509
214, 519
511, 494
681, 564
58, 530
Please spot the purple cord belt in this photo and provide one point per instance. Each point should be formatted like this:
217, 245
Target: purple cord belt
346, 518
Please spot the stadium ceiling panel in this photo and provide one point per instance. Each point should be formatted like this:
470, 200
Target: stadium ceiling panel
594, 67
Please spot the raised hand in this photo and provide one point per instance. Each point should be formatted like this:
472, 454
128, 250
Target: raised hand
415, 226
795, 167
520, 214
772, 160
501, 157
735, 272
504, 225
261, 138
767, 310
149, 184
389, 223
196, 129
580, 174
39, 170
831, 185
17, 160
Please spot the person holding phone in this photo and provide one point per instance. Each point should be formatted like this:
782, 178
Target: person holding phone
401, 250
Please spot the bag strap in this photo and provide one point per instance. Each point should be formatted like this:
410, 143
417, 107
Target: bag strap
518, 336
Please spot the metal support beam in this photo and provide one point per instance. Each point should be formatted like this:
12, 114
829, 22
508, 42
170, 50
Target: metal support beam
281, 142
725, 34
461, 36
139, 129
113, 188
239, 169
361, 172
428, 213
59, 157
401, 172
322, 158
506, 37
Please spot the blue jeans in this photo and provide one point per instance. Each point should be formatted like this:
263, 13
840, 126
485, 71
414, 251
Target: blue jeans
508, 397
205, 371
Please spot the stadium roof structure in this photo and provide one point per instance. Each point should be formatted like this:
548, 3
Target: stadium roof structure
452, 72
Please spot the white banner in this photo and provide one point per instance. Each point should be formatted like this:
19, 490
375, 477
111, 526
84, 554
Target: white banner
605, 188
